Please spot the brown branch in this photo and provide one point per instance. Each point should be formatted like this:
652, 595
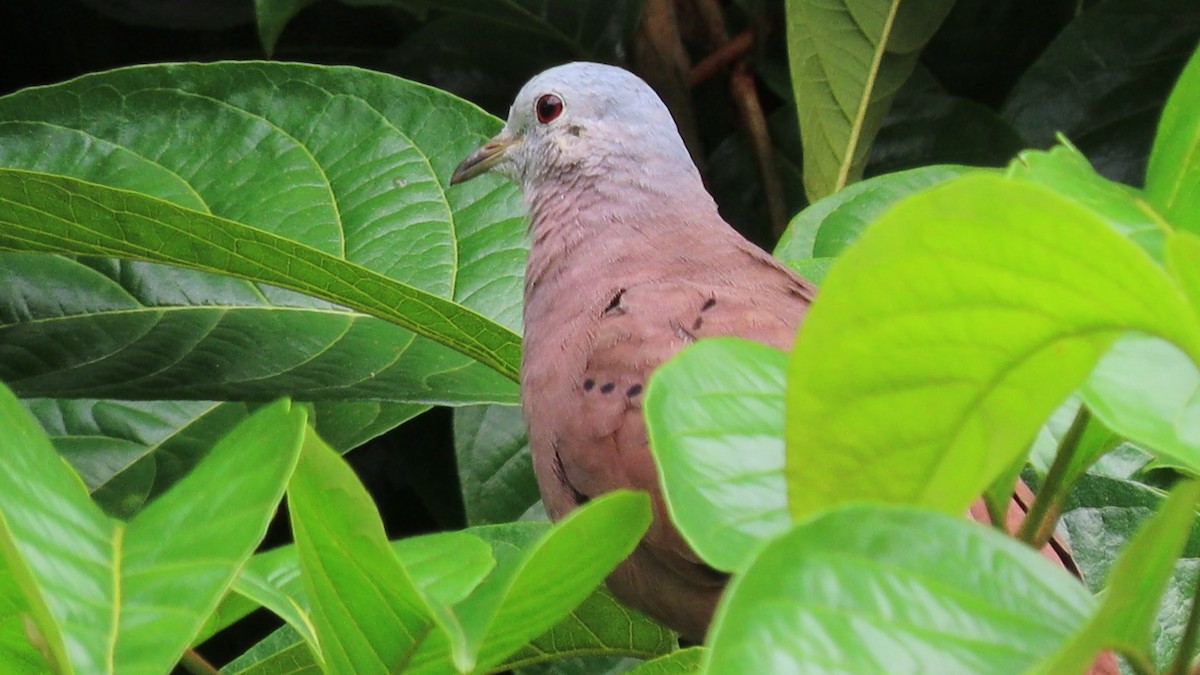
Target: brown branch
732, 50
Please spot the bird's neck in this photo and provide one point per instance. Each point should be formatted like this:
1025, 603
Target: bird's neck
608, 223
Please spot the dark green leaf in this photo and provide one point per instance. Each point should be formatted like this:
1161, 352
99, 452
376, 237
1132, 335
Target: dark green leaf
1127, 614
1103, 80
494, 465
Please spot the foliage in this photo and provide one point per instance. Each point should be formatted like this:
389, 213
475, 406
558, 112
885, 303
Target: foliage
181, 243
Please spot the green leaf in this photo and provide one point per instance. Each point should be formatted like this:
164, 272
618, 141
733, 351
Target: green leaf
1066, 171
875, 588
949, 333
446, 566
827, 227
676, 663
1103, 516
55, 214
1148, 391
280, 653
714, 416
601, 625
1126, 616
1103, 80
368, 613
1173, 175
495, 468
104, 596
848, 59
511, 607
341, 162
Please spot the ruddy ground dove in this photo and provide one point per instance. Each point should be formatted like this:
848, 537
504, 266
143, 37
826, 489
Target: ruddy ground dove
630, 262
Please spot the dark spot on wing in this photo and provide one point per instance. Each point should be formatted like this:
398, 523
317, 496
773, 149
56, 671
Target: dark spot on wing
708, 304
698, 323
588, 384
633, 391
607, 388
614, 305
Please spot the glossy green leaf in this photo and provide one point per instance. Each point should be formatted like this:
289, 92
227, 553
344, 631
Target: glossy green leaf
1127, 613
676, 663
848, 59
715, 416
1148, 391
599, 626
369, 615
1173, 175
105, 596
342, 163
948, 334
828, 226
1102, 81
874, 589
1183, 261
495, 468
55, 214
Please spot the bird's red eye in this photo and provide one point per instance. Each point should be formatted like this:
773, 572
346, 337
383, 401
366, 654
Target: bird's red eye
548, 107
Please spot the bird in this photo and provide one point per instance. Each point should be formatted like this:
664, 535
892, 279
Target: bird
629, 262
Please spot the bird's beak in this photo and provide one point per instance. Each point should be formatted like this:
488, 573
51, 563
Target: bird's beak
483, 159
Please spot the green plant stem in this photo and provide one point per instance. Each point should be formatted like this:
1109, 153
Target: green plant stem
1043, 513
196, 664
1181, 664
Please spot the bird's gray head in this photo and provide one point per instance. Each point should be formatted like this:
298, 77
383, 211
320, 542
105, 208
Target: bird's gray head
581, 120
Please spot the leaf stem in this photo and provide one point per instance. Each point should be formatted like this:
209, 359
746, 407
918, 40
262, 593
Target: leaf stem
1181, 664
196, 664
1038, 525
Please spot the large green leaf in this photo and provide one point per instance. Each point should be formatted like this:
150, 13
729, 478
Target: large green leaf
948, 334
876, 589
714, 415
340, 172
1173, 175
848, 59
1103, 80
105, 596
